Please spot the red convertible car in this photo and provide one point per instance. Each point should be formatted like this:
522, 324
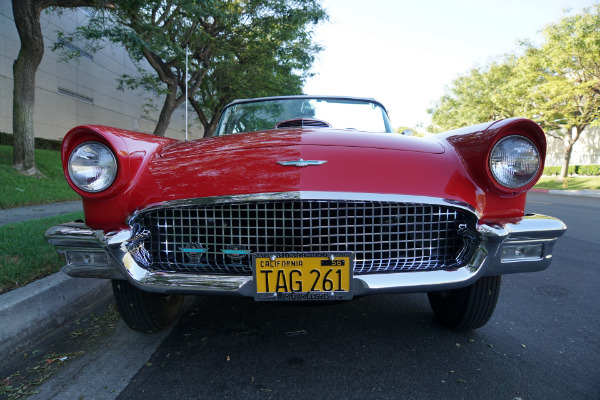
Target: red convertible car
306, 198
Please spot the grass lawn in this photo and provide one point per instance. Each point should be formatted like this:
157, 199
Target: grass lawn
24, 254
571, 183
17, 190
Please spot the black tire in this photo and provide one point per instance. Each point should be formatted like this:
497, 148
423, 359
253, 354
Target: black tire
145, 311
466, 308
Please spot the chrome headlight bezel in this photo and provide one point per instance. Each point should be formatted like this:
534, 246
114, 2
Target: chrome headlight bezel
514, 162
92, 167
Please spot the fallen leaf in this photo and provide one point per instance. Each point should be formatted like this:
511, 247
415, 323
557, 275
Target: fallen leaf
296, 333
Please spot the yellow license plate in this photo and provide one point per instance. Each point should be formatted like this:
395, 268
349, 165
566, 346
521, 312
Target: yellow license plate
303, 276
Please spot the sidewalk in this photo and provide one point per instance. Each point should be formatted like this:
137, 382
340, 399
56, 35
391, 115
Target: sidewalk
12, 215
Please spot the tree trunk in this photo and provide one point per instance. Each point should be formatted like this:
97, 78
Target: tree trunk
570, 141
201, 116
165, 117
27, 19
212, 127
564, 169
169, 106
209, 126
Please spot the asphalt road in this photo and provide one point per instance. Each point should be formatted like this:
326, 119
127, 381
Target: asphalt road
542, 342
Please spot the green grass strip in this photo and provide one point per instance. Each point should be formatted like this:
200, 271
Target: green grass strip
24, 254
571, 183
17, 190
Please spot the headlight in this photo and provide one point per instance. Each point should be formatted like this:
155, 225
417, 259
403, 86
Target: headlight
92, 167
514, 161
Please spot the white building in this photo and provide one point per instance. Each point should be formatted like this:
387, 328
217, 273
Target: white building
585, 151
81, 91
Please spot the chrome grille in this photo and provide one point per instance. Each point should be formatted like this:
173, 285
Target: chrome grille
385, 236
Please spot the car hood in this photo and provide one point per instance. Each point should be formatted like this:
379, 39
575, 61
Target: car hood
259, 162
346, 164
304, 136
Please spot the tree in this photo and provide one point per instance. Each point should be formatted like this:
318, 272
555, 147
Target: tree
269, 52
556, 84
565, 76
158, 32
233, 46
27, 19
483, 94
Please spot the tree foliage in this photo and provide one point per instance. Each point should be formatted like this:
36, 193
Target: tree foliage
237, 48
556, 84
268, 53
483, 94
565, 75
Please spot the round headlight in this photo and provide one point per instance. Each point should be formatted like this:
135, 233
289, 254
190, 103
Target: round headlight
92, 167
514, 161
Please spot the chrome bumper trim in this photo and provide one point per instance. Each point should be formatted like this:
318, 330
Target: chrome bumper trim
486, 260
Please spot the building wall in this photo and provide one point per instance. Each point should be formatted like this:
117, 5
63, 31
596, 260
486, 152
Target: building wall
80, 91
585, 151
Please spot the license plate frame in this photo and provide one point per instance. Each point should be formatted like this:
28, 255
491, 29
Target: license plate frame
301, 265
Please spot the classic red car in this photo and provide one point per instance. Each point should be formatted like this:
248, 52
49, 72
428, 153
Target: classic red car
302, 198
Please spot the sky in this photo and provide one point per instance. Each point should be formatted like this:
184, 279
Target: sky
405, 53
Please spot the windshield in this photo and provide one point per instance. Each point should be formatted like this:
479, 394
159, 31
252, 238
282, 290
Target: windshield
354, 114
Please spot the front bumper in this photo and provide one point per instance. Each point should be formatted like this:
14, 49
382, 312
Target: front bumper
504, 249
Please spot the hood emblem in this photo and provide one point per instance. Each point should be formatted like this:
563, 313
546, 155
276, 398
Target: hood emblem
301, 163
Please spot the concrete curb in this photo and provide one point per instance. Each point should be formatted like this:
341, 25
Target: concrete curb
28, 313
585, 193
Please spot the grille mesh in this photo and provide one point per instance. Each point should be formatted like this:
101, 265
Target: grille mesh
385, 236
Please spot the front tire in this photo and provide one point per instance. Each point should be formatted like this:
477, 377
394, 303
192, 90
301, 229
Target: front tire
143, 311
466, 308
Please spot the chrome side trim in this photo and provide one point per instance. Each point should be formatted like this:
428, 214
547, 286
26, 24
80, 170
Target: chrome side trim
486, 260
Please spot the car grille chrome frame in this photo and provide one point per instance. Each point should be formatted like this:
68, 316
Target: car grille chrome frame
385, 236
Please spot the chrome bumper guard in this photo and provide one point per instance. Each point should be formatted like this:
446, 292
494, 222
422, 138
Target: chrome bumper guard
524, 246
